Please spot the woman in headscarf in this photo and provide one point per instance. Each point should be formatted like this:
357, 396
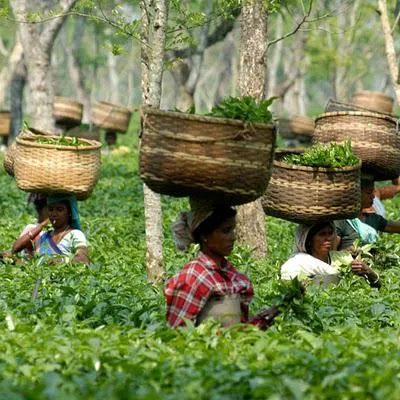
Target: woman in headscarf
312, 256
65, 239
209, 286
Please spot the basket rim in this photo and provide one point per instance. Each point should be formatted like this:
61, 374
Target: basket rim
115, 107
61, 99
202, 118
356, 114
29, 142
376, 93
285, 165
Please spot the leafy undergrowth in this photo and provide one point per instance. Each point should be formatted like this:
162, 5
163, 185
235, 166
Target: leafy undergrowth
76, 332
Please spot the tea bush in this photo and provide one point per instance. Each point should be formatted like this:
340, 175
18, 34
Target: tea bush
77, 332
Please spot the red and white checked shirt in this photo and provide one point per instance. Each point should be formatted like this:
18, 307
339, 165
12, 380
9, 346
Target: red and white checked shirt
187, 292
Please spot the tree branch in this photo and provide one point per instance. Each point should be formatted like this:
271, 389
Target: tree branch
216, 36
52, 27
295, 30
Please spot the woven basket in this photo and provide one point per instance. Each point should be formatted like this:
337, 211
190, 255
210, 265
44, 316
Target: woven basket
5, 122
67, 112
302, 125
110, 116
374, 138
189, 155
9, 155
375, 101
48, 168
8, 161
310, 194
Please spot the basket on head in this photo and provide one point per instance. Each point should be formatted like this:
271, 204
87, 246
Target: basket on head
5, 122
190, 155
56, 168
8, 161
9, 155
374, 138
67, 112
110, 116
374, 101
310, 194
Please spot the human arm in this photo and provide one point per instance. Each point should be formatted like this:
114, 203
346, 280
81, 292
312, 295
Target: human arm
186, 294
392, 227
26, 239
361, 269
264, 318
387, 192
81, 255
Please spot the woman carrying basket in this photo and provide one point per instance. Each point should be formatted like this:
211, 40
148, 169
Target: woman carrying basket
312, 257
209, 286
65, 239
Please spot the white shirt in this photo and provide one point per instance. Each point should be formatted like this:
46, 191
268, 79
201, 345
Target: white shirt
303, 263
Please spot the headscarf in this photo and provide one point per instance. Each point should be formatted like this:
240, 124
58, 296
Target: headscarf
367, 233
301, 235
189, 221
73, 205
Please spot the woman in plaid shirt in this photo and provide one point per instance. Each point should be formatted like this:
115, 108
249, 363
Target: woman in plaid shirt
209, 286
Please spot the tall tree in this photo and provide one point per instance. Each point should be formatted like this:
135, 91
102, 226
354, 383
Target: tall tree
390, 48
153, 36
253, 45
75, 67
17, 86
37, 40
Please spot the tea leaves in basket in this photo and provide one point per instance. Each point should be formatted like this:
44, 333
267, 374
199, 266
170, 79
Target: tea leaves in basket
62, 141
245, 108
330, 155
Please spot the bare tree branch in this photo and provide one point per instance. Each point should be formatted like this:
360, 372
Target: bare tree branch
216, 36
295, 30
53, 26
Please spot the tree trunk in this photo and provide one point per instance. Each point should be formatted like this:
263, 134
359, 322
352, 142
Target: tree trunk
250, 219
7, 72
75, 69
276, 57
152, 62
37, 41
113, 78
17, 85
390, 48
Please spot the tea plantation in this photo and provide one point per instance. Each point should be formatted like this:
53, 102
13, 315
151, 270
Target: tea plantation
98, 331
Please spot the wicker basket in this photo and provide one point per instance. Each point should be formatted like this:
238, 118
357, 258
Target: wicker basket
302, 125
8, 161
374, 138
374, 101
189, 155
9, 155
110, 116
5, 122
67, 112
49, 168
310, 194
